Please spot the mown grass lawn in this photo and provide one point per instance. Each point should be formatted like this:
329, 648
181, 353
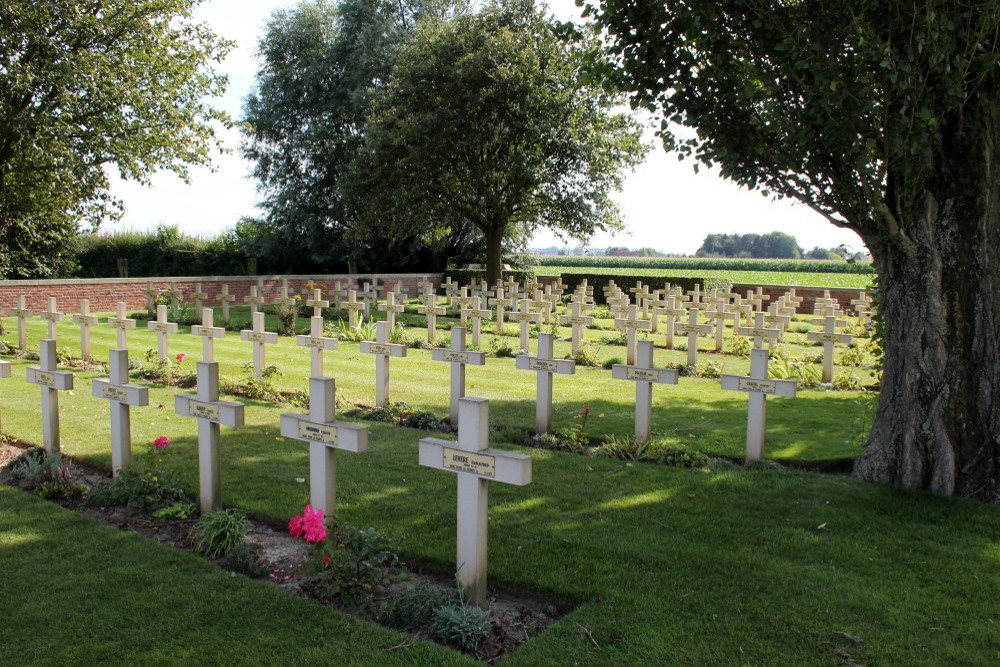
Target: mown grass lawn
660, 565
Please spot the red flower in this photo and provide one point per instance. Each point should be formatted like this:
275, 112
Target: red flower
181, 357
161, 442
326, 560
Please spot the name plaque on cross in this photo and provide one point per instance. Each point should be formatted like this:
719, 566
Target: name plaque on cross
462, 461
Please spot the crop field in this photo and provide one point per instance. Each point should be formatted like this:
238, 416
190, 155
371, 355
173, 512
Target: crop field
789, 278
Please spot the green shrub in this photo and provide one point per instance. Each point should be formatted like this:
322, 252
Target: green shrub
609, 363
679, 456
626, 448
244, 558
138, 488
461, 626
217, 533
176, 511
587, 355
353, 566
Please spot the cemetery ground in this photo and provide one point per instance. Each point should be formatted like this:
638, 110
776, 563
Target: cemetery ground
654, 564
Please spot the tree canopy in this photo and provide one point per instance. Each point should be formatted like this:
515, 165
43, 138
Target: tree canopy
488, 119
321, 63
884, 116
772, 245
86, 87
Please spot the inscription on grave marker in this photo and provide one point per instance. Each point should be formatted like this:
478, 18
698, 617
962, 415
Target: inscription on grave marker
463, 461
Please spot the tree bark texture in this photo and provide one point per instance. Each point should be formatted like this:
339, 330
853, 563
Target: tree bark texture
494, 253
938, 422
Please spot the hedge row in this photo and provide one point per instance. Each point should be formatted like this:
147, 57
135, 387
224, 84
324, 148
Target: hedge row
716, 263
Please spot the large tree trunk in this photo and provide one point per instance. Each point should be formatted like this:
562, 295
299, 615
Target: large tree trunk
938, 422
494, 253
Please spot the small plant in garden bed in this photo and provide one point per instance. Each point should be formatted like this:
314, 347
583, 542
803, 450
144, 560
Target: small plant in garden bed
588, 355
610, 362
217, 534
256, 388
143, 486
627, 448
401, 414
572, 438
171, 373
502, 346
47, 475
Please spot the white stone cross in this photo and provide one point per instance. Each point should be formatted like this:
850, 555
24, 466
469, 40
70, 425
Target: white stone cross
499, 303
352, 306
254, 299
163, 329
720, 315
122, 395
22, 313
526, 319
151, 293
464, 302
431, 311
211, 413
317, 342
477, 314
284, 301
694, 296
382, 349
325, 436
776, 319
175, 297
199, 297
260, 338
85, 320
631, 324
578, 321
672, 311
123, 324
644, 375
483, 291
545, 366
317, 303
52, 382
52, 315
693, 330
369, 295
476, 466
451, 291
208, 334
829, 337
225, 298
759, 331
758, 386
459, 357
393, 307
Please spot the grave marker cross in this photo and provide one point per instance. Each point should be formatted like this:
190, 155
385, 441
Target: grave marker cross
829, 337
477, 314
644, 375
578, 321
260, 338
22, 313
759, 331
85, 320
254, 299
632, 324
382, 349
151, 294
430, 310
117, 389
163, 329
544, 365
52, 382
325, 436
208, 334
52, 315
459, 357
352, 306
692, 329
123, 324
758, 386
476, 465
526, 319
392, 308
317, 342
317, 303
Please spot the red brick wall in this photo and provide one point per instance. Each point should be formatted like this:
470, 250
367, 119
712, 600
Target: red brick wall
105, 293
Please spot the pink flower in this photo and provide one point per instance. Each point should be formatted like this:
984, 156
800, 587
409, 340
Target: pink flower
161, 442
181, 357
308, 526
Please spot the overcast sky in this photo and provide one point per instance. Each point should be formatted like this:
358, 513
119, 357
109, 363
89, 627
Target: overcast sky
665, 205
